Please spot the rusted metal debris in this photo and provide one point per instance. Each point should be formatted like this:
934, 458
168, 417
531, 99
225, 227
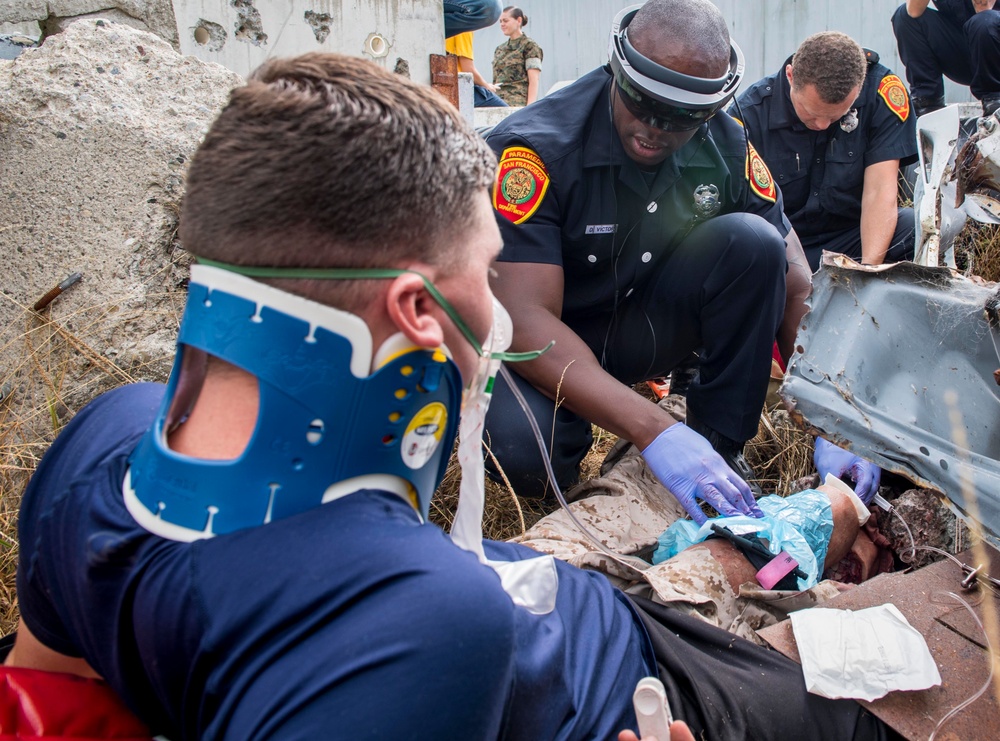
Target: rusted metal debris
897, 364
955, 641
444, 76
50, 296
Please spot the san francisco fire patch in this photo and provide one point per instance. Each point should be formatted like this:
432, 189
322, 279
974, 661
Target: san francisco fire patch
521, 184
759, 176
894, 94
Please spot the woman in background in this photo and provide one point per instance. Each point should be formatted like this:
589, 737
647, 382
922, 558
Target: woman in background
517, 63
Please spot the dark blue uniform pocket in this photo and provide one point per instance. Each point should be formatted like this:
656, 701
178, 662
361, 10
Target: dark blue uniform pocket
589, 267
790, 174
843, 180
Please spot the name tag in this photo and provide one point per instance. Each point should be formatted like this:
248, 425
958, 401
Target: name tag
601, 228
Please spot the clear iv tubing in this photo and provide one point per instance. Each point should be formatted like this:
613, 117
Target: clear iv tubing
989, 647
632, 561
642, 565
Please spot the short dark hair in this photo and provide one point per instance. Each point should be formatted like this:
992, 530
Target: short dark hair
833, 62
516, 12
326, 160
695, 29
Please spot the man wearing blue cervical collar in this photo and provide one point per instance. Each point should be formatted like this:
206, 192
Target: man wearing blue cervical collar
244, 553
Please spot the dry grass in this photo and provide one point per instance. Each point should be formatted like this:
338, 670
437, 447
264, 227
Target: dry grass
780, 454
51, 368
506, 515
28, 424
20, 450
29, 420
15, 461
977, 250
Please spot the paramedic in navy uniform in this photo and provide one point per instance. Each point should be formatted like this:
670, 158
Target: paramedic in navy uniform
639, 228
834, 126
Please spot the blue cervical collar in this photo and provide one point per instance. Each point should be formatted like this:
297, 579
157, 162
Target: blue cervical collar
326, 425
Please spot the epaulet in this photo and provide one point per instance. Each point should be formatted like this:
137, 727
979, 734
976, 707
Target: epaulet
871, 57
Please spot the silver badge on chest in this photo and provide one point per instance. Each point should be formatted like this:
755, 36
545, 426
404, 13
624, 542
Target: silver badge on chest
706, 201
850, 120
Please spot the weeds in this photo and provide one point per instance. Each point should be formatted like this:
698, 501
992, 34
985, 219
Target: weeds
51, 367
977, 250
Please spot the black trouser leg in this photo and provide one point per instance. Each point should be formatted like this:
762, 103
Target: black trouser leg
727, 688
929, 47
721, 294
983, 32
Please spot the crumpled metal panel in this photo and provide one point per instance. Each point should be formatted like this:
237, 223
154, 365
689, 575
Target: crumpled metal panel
896, 363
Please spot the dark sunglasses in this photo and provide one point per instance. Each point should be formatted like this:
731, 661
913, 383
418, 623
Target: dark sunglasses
661, 97
657, 113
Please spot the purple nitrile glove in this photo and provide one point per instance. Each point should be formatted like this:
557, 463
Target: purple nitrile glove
828, 458
689, 467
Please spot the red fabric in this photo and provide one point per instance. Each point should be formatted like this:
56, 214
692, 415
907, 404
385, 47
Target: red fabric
40, 704
776, 356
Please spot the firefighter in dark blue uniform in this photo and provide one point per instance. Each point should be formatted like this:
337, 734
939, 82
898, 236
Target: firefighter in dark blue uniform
835, 153
636, 232
960, 40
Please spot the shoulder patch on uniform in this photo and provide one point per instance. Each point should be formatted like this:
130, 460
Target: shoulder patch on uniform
520, 184
759, 176
891, 90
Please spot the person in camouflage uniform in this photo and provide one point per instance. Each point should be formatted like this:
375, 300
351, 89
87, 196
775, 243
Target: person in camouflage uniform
517, 63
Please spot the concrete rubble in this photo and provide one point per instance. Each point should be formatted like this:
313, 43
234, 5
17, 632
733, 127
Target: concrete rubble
53, 16
96, 128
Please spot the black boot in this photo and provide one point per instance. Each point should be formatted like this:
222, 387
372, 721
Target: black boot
927, 105
731, 452
684, 376
991, 103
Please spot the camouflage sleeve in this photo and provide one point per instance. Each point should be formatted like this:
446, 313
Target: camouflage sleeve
533, 56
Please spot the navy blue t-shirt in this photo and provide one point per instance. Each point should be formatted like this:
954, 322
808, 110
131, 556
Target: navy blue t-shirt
352, 620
